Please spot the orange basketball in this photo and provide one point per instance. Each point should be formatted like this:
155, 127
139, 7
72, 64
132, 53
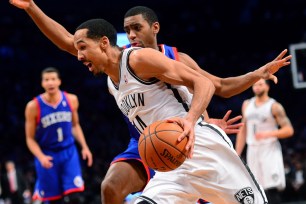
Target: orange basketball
158, 146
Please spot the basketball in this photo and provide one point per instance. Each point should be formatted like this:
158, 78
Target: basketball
158, 146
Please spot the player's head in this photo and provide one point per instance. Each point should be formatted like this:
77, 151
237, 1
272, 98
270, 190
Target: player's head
261, 87
141, 26
50, 79
91, 39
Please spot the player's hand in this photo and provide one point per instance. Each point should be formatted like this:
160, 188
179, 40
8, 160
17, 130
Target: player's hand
46, 161
188, 132
86, 154
262, 135
22, 4
227, 125
272, 67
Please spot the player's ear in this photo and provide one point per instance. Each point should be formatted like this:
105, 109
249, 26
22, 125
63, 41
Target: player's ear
156, 27
104, 41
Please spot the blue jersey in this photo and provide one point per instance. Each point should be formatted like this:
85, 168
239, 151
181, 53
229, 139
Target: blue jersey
54, 124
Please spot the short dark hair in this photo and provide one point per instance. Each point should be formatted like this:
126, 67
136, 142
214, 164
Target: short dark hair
97, 28
148, 14
50, 70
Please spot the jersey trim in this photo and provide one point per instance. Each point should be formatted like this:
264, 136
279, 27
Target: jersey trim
115, 86
153, 81
178, 97
146, 200
68, 100
38, 111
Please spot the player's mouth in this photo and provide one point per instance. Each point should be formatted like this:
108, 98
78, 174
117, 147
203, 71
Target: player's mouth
135, 44
89, 65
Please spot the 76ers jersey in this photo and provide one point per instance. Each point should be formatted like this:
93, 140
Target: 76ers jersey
145, 102
54, 124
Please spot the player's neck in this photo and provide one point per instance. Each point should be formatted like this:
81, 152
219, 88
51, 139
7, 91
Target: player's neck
52, 98
262, 99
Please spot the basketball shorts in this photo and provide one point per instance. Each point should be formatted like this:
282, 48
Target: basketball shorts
131, 153
62, 178
266, 162
215, 172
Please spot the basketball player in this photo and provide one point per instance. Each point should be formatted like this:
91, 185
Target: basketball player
262, 116
217, 173
52, 126
132, 167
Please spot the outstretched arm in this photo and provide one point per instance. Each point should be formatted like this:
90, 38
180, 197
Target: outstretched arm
50, 28
228, 87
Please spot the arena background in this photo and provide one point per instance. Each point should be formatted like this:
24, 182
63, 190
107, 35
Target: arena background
226, 38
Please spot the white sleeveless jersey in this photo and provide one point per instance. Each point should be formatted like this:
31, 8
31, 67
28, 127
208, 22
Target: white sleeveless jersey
145, 102
259, 119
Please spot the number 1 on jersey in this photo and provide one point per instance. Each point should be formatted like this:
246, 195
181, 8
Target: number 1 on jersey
60, 136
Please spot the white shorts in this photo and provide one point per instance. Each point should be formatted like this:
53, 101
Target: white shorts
266, 163
215, 173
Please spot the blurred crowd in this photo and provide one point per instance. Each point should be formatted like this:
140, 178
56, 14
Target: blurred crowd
226, 38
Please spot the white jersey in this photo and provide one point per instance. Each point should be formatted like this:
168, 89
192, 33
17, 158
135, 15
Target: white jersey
143, 102
215, 171
259, 119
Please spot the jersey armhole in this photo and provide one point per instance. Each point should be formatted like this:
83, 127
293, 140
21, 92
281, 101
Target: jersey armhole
68, 101
177, 58
38, 110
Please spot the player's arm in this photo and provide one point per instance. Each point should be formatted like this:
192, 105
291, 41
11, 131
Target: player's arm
176, 73
31, 113
286, 130
77, 129
230, 86
241, 136
50, 28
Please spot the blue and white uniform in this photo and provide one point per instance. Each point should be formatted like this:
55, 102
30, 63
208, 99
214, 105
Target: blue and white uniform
215, 172
54, 136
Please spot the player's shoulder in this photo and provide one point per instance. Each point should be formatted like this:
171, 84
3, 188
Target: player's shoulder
246, 102
32, 107
71, 96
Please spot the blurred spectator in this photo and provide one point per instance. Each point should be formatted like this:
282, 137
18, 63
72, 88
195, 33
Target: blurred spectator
14, 184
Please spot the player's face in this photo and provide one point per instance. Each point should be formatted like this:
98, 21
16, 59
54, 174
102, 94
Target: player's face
89, 51
140, 33
50, 82
260, 88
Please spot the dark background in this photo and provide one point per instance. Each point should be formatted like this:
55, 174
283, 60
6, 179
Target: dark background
226, 38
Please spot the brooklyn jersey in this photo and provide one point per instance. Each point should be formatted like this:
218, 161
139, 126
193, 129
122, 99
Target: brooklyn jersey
181, 92
54, 124
143, 102
259, 119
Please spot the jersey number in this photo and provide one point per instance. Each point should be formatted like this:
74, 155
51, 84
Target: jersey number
60, 136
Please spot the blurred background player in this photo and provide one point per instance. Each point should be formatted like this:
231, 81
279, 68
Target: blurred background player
265, 122
52, 126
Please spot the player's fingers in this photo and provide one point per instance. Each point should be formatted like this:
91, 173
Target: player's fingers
281, 55
231, 131
235, 126
233, 120
227, 114
190, 152
190, 143
89, 160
